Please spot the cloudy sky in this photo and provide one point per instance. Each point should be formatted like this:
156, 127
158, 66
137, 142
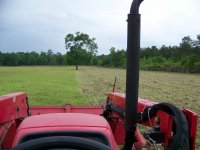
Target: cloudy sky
39, 25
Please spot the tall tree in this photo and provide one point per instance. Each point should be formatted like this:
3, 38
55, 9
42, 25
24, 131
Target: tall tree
51, 57
197, 42
59, 58
43, 58
1, 56
78, 44
186, 42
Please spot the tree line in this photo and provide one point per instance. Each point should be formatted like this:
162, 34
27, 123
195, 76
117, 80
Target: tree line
82, 50
182, 58
44, 58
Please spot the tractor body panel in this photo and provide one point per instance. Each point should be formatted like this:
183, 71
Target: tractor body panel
118, 101
18, 120
66, 122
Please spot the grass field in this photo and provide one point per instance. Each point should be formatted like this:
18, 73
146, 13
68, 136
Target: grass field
87, 86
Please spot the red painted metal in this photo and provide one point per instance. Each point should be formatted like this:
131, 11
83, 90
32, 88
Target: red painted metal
65, 122
192, 123
10, 130
37, 110
118, 99
14, 108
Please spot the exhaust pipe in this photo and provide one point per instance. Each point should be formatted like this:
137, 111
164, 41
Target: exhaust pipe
132, 74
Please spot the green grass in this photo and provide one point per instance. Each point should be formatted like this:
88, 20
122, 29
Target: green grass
44, 85
87, 86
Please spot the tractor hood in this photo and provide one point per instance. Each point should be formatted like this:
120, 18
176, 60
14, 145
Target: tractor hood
64, 119
64, 122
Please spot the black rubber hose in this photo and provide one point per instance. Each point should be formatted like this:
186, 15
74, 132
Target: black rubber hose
179, 140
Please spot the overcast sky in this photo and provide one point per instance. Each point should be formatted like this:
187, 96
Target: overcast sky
39, 25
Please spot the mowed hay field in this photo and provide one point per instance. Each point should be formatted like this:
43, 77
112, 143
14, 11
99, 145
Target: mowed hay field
88, 86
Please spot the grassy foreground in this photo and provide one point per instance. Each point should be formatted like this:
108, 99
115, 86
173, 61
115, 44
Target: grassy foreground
44, 85
87, 86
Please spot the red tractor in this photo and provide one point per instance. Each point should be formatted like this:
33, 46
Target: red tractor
24, 127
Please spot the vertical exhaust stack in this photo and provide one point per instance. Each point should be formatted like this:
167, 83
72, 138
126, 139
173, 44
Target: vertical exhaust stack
132, 74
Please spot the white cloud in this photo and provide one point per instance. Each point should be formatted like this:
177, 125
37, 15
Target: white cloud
40, 25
